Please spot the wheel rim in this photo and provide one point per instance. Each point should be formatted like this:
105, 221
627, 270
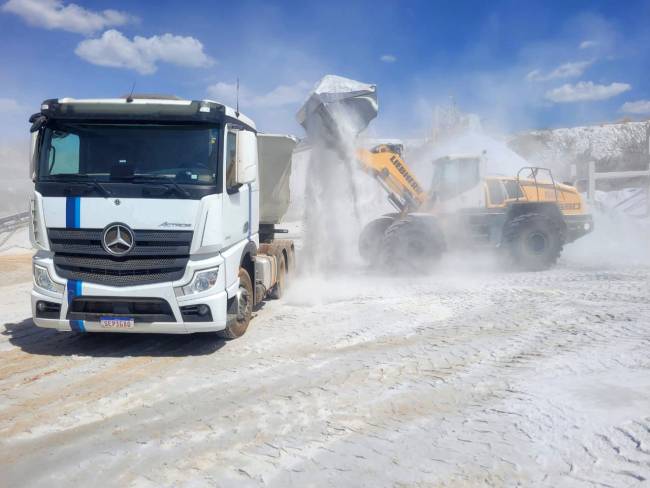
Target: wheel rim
537, 242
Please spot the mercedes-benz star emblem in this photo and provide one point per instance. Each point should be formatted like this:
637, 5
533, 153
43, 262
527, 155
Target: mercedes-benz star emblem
118, 239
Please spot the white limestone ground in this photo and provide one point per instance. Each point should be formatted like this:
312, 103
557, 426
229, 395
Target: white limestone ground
468, 377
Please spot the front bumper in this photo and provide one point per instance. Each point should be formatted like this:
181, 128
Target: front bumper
578, 226
216, 299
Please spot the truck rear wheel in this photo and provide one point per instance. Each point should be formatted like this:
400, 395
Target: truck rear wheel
371, 238
237, 327
412, 245
278, 289
534, 241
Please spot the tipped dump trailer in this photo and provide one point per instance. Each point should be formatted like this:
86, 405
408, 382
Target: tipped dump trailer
155, 215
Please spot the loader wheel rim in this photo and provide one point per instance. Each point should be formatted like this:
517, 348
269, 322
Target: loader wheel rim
537, 242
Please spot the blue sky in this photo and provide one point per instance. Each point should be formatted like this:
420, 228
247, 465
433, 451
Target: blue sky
518, 64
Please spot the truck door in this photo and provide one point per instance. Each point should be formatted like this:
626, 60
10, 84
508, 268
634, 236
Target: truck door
236, 201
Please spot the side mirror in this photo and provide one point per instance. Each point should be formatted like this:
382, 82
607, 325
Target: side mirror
38, 121
246, 157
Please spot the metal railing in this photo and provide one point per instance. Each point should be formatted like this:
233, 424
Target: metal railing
595, 176
13, 222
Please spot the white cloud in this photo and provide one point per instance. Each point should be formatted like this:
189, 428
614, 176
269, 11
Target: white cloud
54, 14
584, 91
388, 58
637, 107
143, 53
9, 105
588, 44
572, 69
280, 96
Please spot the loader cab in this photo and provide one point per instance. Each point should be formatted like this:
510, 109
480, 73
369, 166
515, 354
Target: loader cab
455, 174
457, 182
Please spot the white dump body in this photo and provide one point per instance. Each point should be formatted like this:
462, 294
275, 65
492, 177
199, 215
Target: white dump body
274, 155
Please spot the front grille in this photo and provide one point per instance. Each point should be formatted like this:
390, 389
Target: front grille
157, 256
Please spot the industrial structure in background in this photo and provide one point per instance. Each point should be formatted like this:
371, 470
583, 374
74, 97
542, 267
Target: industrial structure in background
155, 215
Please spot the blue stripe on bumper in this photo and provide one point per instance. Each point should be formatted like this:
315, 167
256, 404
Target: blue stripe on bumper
75, 290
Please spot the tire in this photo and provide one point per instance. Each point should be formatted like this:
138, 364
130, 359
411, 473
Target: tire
371, 238
238, 327
278, 290
412, 245
534, 241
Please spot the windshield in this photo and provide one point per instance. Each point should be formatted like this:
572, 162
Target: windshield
454, 176
184, 154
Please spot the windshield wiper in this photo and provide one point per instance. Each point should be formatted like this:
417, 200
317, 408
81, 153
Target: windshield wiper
83, 179
163, 180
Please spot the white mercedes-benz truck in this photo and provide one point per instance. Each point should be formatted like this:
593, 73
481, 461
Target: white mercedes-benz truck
155, 214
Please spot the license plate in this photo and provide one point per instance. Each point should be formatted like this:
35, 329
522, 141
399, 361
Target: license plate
116, 322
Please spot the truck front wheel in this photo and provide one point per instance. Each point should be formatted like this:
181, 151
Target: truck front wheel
238, 324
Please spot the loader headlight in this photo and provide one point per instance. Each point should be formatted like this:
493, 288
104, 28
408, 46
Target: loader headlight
43, 280
201, 281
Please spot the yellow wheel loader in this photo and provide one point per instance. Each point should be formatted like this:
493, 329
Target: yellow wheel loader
528, 217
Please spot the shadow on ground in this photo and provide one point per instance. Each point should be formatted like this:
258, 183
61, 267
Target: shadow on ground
49, 342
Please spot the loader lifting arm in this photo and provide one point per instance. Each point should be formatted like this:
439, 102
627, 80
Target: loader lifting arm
384, 162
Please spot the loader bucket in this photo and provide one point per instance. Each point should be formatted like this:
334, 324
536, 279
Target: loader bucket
338, 108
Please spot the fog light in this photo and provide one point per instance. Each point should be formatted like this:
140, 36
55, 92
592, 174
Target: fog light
40, 306
203, 310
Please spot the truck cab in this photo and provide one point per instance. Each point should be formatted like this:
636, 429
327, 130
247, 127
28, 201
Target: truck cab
146, 216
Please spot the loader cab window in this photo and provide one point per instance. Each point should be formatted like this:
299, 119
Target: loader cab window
496, 192
453, 176
513, 189
231, 159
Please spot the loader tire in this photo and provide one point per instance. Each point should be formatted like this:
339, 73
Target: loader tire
412, 246
371, 237
238, 327
533, 241
278, 290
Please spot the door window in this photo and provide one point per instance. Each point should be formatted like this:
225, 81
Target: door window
231, 159
496, 192
513, 189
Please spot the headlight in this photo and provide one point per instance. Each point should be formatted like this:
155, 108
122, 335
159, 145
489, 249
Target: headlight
43, 280
201, 281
